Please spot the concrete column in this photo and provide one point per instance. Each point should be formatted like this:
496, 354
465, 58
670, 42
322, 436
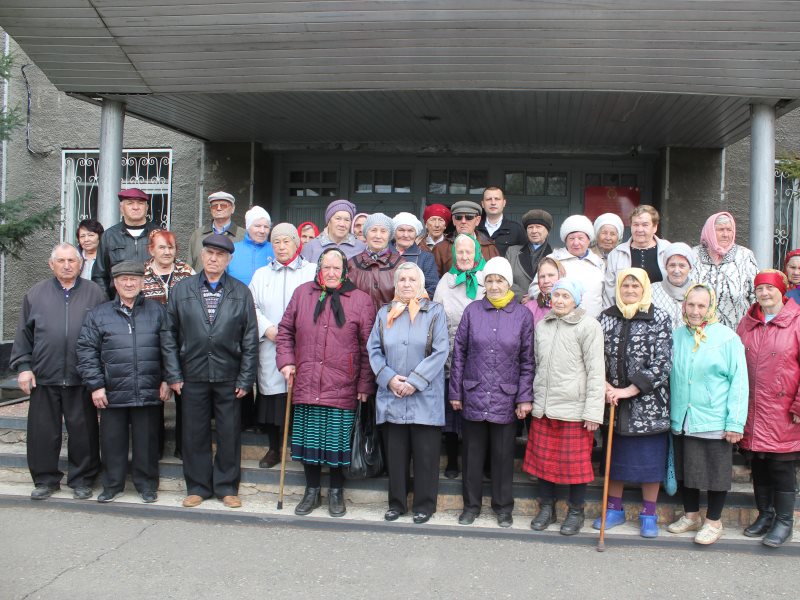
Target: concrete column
112, 118
762, 182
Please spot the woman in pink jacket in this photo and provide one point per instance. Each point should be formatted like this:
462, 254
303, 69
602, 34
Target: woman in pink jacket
770, 332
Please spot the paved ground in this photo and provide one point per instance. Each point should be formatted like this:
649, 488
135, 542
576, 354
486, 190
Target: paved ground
60, 551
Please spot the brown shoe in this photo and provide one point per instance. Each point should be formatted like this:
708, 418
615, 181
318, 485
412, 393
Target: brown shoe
192, 501
232, 502
271, 458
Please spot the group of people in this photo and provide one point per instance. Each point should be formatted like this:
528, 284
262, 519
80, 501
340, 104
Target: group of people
458, 328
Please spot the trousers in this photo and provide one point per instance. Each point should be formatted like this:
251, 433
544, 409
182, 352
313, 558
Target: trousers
143, 422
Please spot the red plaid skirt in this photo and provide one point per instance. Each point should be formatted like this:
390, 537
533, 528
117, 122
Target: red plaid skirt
559, 451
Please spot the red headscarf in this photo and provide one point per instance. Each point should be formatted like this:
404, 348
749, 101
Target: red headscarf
774, 278
436, 210
790, 255
708, 237
300, 228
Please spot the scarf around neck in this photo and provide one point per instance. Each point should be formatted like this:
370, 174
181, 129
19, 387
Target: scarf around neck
502, 302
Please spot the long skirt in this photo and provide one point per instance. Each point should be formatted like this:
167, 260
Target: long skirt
321, 435
270, 409
639, 458
559, 451
703, 464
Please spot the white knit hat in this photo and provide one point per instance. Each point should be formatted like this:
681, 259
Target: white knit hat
609, 219
575, 223
499, 266
406, 218
254, 214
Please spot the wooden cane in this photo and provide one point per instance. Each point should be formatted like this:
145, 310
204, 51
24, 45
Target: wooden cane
289, 391
601, 545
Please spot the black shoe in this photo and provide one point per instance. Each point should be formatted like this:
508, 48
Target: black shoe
311, 500
107, 496
336, 507
766, 513
505, 519
271, 458
467, 518
43, 492
149, 497
392, 515
574, 521
451, 471
82, 493
782, 525
178, 454
421, 517
545, 517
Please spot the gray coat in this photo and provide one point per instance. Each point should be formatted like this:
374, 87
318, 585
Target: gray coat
415, 350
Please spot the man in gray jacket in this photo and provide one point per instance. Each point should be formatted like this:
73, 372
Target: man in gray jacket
44, 355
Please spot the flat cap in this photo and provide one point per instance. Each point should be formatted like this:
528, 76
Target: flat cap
221, 196
221, 242
465, 207
132, 194
128, 267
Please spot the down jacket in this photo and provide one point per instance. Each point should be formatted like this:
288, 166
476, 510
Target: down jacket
492, 363
122, 353
570, 382
639, 352
375, 276
772, 351
332, 364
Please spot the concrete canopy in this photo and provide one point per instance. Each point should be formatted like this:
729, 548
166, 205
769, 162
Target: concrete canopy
519, 76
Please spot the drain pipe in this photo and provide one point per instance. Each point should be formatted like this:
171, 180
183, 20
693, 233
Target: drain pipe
3, 176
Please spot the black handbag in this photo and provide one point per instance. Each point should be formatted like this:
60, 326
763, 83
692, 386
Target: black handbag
366, 458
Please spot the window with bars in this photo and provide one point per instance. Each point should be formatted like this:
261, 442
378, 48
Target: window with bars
457, 182
310, 184
536, 183
382, 181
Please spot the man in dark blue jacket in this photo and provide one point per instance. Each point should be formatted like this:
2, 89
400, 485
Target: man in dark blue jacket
119, 358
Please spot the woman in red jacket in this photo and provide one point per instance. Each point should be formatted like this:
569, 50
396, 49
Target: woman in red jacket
322, 345
770, 332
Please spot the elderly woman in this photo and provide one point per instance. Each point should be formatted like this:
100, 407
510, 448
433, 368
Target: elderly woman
321, 349
638, 346
769, 332
706, 419
577, 233
456, 289
608, 230
525, 259
307, 232
668, 294
727, 267
88, 236
436, 218
272, 288
569, 398
338, 217
372, 271
407, 348
407, 228
357, 228
491, 378
254, 251
550, 271
791, 268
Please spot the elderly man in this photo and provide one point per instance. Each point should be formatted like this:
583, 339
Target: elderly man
466, 218
525, 259
44, 355
211, 358
502, 231
127, 240
119, 359
222, 206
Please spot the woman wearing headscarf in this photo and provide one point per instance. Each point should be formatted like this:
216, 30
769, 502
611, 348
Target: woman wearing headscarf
770, 332
638, 348
357, 228
550, 271
791, 267
372, 271
707, 418
725, 266
608, 231
272, 288
321, 348
407, 349
307, 232
338, 219
407, 228
456, 289
437, 218
569, 398
668, 294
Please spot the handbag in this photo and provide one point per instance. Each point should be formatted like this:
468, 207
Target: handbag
670, 481
366, 455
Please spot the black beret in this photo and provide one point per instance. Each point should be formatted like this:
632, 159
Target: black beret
219, 241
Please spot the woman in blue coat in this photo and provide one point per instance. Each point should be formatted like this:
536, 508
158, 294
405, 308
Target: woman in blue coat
254, 251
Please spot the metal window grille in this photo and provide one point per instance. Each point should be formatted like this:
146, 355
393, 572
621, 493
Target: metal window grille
787, 217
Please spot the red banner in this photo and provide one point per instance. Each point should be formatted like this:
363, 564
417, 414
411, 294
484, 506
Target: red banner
599, 199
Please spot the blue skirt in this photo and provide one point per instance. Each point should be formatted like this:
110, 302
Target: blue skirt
639, 458
321, 435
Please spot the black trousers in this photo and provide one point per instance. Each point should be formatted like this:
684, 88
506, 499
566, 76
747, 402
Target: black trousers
420, 443
499, 439
200, 403
144, 426
49, 403
248, 411
777, 474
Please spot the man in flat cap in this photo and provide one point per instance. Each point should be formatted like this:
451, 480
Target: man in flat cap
466, 218
503, 231
44, 355
222, 206
211, 359
119, 359
127, 240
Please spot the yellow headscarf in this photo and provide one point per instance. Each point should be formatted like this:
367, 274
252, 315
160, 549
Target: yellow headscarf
711, 317
629, 310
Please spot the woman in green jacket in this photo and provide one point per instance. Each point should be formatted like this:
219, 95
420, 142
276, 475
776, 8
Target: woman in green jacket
708, 409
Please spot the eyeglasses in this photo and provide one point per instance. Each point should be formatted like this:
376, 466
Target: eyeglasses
220, 206
464, 217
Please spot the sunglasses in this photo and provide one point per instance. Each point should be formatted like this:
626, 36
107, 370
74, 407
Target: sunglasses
464, 217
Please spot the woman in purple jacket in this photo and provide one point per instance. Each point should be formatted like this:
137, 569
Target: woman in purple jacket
491, 382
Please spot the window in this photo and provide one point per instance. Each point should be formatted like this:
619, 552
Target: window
382, 181
611, 179
313, 183
150, 170
457, 181
536, 183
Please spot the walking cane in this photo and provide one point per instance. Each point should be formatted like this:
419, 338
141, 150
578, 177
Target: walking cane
601, 545
289, 391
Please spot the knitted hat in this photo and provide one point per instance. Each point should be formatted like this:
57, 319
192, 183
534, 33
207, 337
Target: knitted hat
254, 214
338, 205
465, 207
679, 249
436, 210
378, 220
221, 196
577, 223
537, 216
572, 285
498, 266
406, 218
609, 219
285, 230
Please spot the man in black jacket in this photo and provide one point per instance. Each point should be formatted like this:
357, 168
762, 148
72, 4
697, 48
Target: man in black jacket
44, 355
211, 359
119, 358
127, 240
502, 231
